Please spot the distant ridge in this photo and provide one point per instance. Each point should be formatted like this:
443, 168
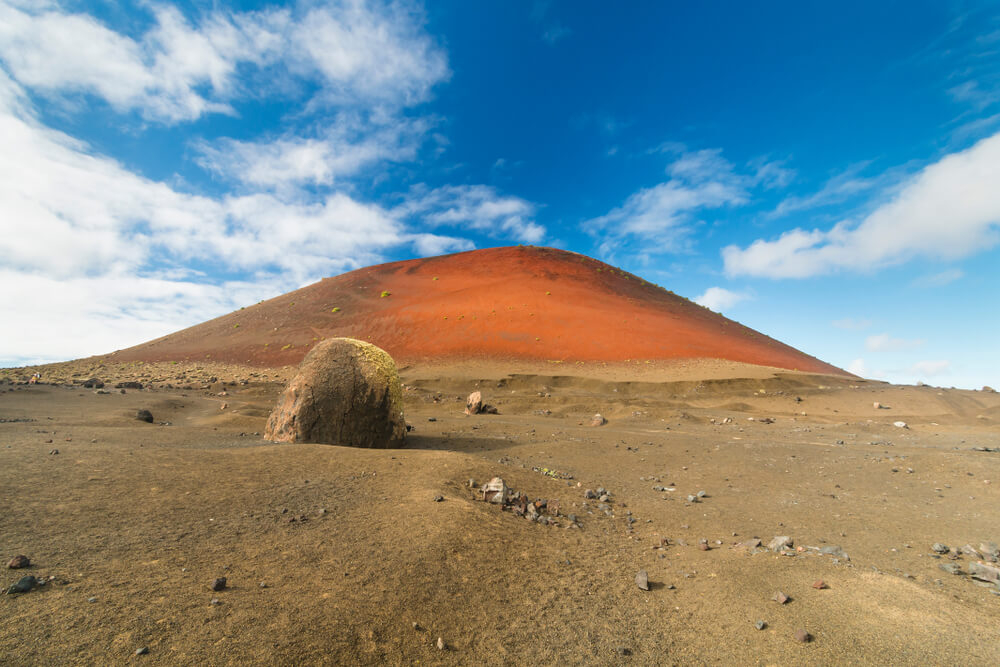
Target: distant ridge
524, 303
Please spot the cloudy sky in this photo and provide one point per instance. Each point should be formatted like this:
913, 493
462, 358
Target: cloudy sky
829, 176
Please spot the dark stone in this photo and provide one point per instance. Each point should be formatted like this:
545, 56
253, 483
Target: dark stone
23, 585
624, 651
93, 383
438, 499
17, 562
128, 385
219, 584
144, 416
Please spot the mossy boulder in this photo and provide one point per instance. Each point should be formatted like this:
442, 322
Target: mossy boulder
347, 392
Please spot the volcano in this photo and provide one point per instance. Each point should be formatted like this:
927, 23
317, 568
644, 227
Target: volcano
496, 304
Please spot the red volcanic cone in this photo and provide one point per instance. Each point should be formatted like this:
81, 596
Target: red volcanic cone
522, 303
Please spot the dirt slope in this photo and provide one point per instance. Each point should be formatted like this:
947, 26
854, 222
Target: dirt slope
498, 304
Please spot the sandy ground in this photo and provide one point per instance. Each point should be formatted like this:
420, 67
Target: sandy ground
352, 549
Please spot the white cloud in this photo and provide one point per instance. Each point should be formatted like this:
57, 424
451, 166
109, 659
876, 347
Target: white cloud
663, 214
370, 51
720, 299
939, 279
478, 207
931, 368
100, 247
362, 52
949, 210
349, 145
886, 343
858, 367
837, 189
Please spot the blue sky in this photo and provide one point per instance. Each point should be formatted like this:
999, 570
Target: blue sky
827, 175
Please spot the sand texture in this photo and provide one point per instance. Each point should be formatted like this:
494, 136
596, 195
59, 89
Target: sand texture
130, 522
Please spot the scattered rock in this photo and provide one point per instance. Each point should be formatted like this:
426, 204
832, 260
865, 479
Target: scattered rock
474, 404
144, 416
23, 585
802, 636
642, 580
346, 392
984, 572
441, 645
780, 542
834, 550
438, 499
219, 584
760, 625
781, 598
495, 491
142, 651
820, 585
951, 568
624, 651
17, 562
93, 383
900, 424
598, 420
53, 452
990, 551
128, 385
939, 548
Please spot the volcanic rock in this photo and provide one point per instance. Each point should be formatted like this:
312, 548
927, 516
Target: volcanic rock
144, 416
23, 585
17, 562
474, 404
347, 392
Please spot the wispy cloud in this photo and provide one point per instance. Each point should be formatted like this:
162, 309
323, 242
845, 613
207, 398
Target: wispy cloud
886, 343
939, 279
720, 299
931, 368
478, 207
663, 214
949, 210
370, 53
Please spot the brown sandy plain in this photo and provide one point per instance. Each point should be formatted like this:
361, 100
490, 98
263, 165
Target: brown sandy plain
332, 554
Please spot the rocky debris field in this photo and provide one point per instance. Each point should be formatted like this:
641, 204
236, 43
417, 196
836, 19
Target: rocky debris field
787, 515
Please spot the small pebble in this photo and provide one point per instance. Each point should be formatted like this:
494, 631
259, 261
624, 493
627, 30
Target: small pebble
440, 644
820, 585
760, 625
803, 636
438, 499
219, 584
781, 598
142, 651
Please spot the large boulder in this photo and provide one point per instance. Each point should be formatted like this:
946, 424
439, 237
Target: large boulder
346, 392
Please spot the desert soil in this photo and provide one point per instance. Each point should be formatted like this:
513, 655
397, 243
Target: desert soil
332, 554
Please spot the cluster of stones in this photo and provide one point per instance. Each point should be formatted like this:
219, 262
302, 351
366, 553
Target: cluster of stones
543, 511
984, 569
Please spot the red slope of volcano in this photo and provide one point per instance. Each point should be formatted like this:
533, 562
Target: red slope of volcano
498, 303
